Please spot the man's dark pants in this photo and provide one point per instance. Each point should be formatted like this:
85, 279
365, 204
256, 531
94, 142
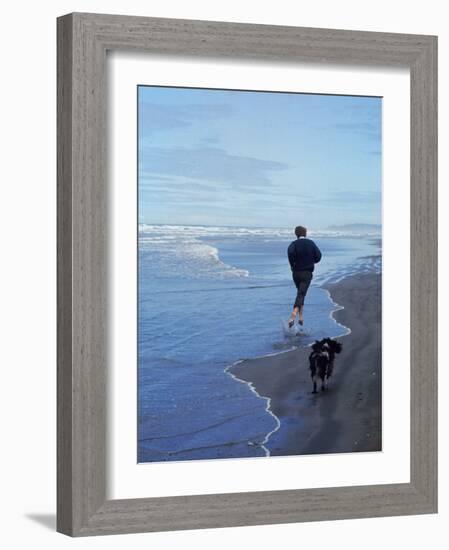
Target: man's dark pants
302, 281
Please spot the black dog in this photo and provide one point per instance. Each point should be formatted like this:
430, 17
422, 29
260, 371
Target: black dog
321, 360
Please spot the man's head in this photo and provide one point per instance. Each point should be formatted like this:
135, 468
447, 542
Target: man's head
300, 231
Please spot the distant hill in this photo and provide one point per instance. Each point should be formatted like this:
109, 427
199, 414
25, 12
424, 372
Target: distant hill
357, 227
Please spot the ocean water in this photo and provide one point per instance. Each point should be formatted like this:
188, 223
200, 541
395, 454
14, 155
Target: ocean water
212, 296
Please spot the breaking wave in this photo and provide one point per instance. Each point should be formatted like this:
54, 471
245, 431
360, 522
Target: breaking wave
182, 253
269, 233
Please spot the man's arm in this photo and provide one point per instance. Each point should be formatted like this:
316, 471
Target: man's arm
291, 255
317, 253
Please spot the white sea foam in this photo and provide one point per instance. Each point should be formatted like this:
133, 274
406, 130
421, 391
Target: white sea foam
181, 252
267, 400
174, 231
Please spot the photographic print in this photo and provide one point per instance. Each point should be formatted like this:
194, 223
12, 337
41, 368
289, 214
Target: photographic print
259, 274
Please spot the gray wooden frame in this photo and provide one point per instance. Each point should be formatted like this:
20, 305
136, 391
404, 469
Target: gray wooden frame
83, 40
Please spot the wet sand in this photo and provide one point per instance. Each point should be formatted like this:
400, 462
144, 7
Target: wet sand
347, 416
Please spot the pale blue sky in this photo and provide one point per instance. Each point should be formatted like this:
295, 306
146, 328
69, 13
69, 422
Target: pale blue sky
222, 157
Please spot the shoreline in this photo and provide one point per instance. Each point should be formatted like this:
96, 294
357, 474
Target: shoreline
262, 445
345, 418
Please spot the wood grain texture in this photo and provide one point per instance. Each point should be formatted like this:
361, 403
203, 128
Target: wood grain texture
83, 40
424, 251
64, 278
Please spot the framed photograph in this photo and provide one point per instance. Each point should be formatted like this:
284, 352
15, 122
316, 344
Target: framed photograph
247, 280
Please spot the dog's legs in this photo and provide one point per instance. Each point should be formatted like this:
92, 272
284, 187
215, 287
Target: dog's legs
323, 377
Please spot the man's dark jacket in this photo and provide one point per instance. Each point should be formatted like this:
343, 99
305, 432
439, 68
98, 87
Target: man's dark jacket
303, 254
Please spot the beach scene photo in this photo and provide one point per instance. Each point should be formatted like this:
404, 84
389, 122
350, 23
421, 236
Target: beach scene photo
259, 274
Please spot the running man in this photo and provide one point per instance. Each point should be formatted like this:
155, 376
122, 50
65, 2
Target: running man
303, 254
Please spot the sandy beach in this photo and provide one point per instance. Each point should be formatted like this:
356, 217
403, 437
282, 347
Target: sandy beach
347, 416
